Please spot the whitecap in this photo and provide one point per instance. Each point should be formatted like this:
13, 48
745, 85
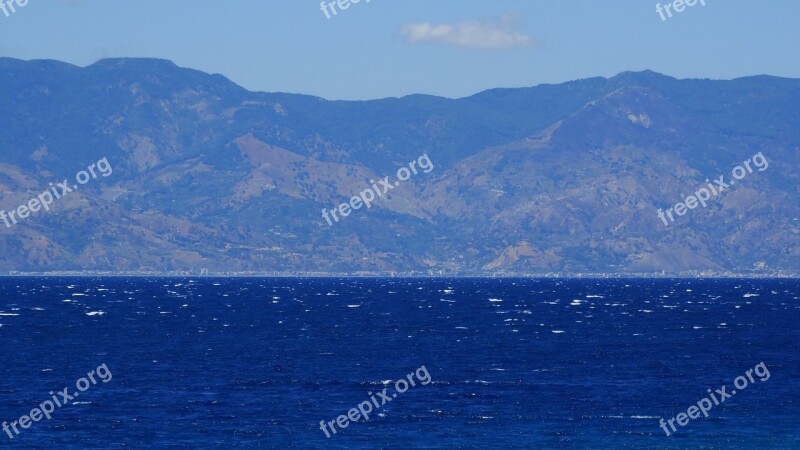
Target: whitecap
95, 313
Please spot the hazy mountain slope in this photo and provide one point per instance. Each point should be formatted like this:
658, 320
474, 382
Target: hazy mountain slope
552, 178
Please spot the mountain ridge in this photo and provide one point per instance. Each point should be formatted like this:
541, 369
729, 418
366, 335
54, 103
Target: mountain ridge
553, 178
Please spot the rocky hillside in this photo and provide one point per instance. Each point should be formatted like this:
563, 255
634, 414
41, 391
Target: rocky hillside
561, 178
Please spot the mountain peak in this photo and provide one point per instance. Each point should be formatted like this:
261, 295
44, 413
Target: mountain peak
645, 78
134, 63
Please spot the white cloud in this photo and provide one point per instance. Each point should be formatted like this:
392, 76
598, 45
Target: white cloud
481, 35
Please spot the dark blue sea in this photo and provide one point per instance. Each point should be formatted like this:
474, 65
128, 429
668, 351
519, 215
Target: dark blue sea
486, 363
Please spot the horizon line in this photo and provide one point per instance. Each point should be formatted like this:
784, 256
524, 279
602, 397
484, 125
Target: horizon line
169, 61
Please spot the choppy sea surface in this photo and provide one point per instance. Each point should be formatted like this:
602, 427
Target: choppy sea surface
512, 363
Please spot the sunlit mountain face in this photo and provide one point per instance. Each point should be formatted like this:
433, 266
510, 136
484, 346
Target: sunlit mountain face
564, 178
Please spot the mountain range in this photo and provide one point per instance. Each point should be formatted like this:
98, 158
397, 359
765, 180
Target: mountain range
552, 179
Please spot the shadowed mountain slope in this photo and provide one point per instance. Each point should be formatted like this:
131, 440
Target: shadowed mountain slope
555, 178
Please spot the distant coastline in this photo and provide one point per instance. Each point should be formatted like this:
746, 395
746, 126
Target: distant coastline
254, 274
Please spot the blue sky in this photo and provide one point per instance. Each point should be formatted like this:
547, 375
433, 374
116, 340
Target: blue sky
387, 48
